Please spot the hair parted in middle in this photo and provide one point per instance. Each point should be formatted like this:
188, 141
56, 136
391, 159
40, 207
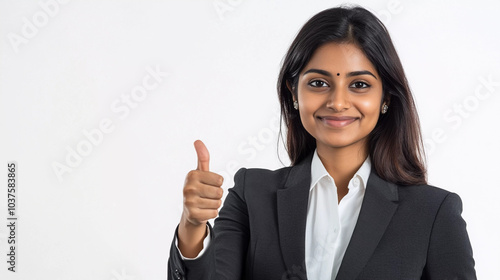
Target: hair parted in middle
395, 144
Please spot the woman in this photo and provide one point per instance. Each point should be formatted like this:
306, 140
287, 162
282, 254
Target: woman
355, 203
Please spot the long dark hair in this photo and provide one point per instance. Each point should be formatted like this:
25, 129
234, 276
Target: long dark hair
395, 144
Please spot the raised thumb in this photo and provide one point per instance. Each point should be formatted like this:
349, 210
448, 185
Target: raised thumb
203, 155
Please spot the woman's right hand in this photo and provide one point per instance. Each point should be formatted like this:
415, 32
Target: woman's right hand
202, 199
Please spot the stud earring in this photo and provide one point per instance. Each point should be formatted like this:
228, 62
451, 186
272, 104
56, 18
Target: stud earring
296, 105
384, 108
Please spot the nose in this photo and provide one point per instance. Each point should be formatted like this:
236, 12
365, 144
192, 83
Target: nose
338, 100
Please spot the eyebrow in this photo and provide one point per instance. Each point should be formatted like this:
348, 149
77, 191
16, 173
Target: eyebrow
350, 74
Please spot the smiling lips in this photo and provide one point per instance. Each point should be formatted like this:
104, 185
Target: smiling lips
337, 122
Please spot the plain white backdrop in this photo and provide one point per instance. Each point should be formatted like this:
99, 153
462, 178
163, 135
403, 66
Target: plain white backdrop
154, 76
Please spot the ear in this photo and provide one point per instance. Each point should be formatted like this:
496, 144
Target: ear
291, 89
387, 100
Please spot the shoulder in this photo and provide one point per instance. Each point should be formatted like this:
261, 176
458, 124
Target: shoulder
262, 173
430, 198
418, 191
259, 180
437, 213
252, 176
423, 192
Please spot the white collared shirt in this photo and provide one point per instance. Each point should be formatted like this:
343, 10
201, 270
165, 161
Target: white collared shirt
323, 257
329, 225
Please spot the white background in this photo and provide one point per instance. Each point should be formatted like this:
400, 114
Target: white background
113, 216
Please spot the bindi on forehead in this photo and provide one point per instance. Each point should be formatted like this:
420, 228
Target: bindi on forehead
338, 74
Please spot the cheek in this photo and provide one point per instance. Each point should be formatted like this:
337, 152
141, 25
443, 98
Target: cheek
369, 107
307, 111
308, 105
306, 116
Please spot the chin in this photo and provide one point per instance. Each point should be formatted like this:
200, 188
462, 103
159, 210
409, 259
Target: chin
341, 143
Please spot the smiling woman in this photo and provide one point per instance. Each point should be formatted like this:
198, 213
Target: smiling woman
340, 111
367, 64
355, 204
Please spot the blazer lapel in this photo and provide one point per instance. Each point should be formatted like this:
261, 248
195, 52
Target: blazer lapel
292, 203
379, 204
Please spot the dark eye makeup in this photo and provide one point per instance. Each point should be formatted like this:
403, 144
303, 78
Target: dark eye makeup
356, 84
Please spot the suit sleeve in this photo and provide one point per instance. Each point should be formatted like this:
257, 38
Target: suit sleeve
224, 258
450, 253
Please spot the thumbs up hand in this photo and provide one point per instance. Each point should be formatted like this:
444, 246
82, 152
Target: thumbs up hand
202, 199
202, 190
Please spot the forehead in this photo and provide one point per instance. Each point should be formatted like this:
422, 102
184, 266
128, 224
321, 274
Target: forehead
339, 57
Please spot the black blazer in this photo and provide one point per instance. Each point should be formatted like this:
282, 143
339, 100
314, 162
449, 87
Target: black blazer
402, 232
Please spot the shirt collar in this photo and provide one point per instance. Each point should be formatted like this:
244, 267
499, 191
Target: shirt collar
318, 171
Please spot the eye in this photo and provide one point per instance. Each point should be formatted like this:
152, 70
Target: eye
359, 84
317, 83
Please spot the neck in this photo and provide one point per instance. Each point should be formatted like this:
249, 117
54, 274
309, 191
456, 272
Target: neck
342, 163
